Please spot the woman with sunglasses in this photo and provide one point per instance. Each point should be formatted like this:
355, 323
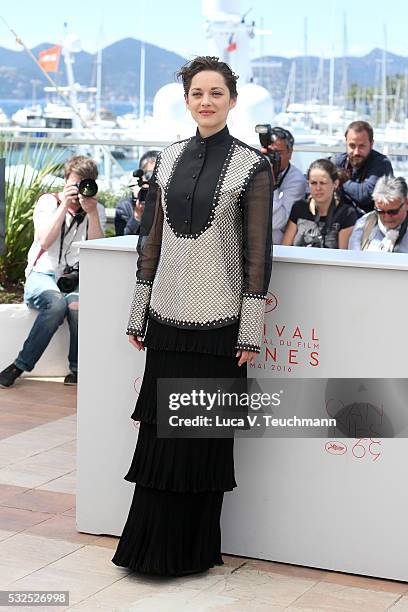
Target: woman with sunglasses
203, 273
323, 220
384, 228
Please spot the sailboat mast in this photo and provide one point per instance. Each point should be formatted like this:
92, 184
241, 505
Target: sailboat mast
344, 81
142, 81
69, 60
384, 80
98, 85
306, 75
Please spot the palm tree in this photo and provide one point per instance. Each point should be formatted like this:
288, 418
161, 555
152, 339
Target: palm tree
34, 174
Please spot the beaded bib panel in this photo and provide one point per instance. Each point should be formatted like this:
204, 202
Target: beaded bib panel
199, 279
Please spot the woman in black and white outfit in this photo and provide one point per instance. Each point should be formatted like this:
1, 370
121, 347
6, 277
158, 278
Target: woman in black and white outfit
203, 273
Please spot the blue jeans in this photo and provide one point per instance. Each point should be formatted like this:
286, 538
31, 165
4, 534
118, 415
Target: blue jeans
42, 294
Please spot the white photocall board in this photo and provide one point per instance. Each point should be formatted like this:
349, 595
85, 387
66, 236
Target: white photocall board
338, 505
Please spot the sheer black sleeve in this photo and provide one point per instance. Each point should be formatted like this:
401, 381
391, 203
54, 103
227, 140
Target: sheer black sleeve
257, 249
148, 247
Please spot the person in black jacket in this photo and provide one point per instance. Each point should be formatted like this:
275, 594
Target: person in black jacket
129, 210
361, 166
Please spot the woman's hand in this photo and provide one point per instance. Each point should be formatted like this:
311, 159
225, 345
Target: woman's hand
137, 342
246, 356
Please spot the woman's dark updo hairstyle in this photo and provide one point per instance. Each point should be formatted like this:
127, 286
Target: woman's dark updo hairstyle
327, 166
206, 62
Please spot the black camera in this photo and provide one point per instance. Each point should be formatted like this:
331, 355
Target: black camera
265, 134
69, 279
266, 138
87, 187
141, 196
143, 182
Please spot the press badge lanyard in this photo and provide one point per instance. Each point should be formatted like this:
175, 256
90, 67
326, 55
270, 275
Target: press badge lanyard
282, 178
328, 222
78, 218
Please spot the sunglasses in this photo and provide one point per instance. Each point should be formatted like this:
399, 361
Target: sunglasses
391, 212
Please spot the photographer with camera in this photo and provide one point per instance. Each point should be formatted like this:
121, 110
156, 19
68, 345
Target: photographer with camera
290, 183
361, 166
129, 210
52, 273
324, 220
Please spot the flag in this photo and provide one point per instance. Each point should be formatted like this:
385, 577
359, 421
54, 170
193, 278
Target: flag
49, 58
231, 44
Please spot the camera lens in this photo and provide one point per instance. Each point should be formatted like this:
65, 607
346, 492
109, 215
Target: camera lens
88, 188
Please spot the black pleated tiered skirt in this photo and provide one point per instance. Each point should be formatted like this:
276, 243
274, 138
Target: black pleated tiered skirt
173, 527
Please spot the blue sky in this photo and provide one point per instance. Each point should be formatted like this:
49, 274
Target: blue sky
178, 25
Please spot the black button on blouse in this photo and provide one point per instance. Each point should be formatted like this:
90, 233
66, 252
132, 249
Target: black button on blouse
191, 189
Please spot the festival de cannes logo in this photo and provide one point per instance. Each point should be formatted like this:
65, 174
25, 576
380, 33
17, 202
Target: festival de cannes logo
271, 302
336, 448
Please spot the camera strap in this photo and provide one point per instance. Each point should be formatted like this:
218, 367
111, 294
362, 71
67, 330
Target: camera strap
328, 221
282, 178
76, 221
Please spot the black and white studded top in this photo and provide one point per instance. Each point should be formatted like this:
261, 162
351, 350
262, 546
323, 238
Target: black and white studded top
205, 243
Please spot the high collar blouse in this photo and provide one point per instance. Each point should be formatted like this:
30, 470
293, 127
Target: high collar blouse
191, 188
205, 241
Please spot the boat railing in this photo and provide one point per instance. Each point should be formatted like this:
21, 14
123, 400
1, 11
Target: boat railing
113, 137
117, 151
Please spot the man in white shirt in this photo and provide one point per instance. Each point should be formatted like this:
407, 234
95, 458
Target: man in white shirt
291, 183
60, 219
385, 228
